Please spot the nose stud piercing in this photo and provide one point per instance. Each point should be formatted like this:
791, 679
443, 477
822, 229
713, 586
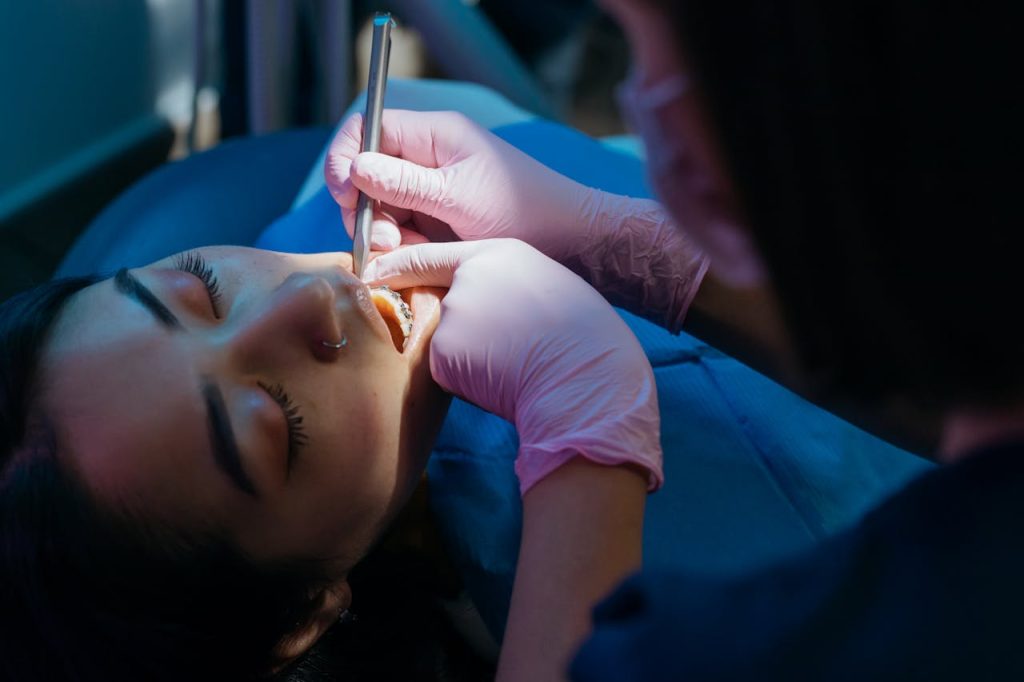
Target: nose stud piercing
336, 346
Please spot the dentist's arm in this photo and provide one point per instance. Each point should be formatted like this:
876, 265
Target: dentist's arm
524, 338
582, 530
447, 178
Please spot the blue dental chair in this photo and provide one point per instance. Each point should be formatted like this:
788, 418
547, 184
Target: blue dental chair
226, 195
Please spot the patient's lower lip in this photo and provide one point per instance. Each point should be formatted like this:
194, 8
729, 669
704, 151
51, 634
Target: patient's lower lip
424, 304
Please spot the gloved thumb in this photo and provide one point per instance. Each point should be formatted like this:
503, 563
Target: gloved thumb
431, 265
398, 182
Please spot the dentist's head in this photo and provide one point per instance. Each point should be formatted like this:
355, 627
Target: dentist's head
862, 157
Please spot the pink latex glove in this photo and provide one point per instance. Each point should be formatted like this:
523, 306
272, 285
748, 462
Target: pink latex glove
447, 178
526, 339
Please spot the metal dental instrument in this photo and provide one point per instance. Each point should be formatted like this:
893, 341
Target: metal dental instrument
380, 53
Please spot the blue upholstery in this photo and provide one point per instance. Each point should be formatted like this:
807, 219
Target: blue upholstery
226, 195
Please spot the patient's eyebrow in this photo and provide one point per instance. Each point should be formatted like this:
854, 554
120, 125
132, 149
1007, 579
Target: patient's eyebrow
222, 438
127, 284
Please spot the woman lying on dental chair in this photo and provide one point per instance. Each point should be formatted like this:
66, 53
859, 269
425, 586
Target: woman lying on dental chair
197, 452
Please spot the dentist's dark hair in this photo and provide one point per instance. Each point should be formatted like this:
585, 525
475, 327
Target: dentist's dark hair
875, 148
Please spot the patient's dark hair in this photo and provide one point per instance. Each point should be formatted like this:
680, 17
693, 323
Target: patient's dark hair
89, 594
876, 149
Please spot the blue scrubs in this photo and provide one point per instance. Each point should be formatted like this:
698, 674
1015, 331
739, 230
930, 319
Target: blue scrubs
928, 587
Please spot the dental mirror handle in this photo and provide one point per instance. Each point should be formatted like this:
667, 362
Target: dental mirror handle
380, 53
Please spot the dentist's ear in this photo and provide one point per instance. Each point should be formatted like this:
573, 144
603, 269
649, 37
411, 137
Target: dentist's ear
330, 603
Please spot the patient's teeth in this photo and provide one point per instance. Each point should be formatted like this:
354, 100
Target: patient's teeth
395, 311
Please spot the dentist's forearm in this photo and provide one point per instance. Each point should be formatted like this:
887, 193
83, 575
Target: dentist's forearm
629, 250
582, 534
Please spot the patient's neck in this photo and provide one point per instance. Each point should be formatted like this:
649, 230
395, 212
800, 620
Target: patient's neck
967, 431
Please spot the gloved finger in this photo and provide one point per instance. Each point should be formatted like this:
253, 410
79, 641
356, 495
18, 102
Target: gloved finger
344, 193
423, 137
411, 135
420, 229
386, 235
399, 182
345, 146
426, 138
431, 265
397, 216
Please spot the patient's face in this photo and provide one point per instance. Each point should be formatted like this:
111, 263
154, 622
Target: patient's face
185, 407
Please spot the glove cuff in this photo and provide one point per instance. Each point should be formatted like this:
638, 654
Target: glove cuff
638, 259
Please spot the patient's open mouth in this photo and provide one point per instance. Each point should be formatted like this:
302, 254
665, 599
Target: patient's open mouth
396, 312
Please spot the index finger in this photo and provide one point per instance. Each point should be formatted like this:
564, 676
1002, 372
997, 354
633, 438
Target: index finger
344, 147
422, 137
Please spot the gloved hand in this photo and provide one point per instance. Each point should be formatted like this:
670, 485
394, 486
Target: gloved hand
526, 339
445, 177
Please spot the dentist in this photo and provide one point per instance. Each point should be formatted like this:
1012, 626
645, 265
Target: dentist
837, 185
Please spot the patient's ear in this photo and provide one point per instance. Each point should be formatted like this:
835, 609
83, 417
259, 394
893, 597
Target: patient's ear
331, 601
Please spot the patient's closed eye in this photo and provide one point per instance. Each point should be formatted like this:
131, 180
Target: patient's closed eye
297, 437
193, 263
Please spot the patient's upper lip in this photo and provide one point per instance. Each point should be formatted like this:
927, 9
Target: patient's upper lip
359, 293
369, 310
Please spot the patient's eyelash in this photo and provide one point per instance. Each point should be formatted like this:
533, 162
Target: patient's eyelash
194, 263
296, 433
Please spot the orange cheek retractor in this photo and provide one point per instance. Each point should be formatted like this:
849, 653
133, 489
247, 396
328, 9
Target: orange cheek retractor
396, 313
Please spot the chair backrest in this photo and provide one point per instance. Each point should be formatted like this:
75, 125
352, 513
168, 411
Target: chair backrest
226, 195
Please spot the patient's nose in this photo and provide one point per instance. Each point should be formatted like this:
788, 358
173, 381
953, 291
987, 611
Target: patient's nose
290, 323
